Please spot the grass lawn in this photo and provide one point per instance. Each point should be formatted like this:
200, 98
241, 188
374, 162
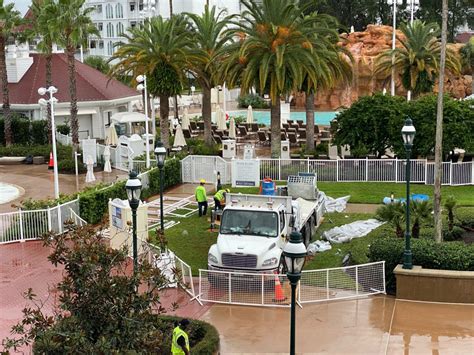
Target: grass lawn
374, 192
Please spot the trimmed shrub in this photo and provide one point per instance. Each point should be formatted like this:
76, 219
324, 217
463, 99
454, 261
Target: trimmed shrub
465, 217
39, 132
64, 151
251, 100
68, 166
426, 253
199, 147
63, 129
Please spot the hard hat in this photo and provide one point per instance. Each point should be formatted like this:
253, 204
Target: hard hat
227, 190
202, 181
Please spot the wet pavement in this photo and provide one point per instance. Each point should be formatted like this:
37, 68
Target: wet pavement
37, 182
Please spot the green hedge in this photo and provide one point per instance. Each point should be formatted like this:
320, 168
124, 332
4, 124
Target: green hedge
203, 337
465, 217
64, 151
94, 203
24, 131
426, 253
253, 100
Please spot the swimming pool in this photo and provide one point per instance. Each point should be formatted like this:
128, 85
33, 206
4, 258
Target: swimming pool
320, 118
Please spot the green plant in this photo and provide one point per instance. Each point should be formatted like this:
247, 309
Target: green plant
420, 212
39, 132
455, 233
198, 147
450, 206
254, 100
392, 213
465, 217
68, 166
63, 129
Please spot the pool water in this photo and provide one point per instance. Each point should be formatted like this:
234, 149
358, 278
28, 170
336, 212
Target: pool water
320, 118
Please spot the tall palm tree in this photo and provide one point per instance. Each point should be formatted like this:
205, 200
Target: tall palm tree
274, 53
421, 211
160, 50
418, 60
10, 19
467, 58
70, 26
42, 30
171, 7
438, 222
208, 39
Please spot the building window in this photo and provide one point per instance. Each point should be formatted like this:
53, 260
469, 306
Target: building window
98, 8
93, 44
133, 24
132, 7
140, 6
101, 44
109, 11
110, 48
120, 29
119, 11
100, 26
110, 30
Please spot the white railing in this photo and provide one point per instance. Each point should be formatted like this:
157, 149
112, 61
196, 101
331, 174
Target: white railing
259, 289
195, 168
63, 139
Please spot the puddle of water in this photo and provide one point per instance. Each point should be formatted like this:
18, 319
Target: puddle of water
8, 192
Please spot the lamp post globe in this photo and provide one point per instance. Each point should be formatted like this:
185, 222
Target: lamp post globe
133, 187
294, 253
160, 153
408, 135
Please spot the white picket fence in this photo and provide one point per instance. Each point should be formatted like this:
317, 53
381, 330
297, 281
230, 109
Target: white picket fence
194, 168
63, 138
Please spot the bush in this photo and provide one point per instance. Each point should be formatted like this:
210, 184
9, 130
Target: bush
252, 100
63, 129
426, 253
465, 217
64, 151
199, 147
25, 132
68, 166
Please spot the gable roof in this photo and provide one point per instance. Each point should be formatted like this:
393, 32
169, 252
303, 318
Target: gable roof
91, 84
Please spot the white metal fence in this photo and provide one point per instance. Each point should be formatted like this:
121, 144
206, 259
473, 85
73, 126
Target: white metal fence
195, 168
24, 225
257, 289
63, 138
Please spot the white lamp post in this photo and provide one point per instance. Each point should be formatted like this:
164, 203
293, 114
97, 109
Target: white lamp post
52, 90
141, 79
394, 3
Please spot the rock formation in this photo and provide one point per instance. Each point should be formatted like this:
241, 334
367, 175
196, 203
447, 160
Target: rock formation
365, 46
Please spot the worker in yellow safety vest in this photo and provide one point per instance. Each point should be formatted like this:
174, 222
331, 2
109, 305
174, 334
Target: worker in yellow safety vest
201, 198
219, 198
180, 341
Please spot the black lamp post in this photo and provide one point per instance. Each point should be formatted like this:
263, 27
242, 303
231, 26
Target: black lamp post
160, 153
408, 135
134, 188
294, 253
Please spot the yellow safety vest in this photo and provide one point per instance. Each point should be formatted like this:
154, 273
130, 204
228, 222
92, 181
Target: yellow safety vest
175, 348
219, 195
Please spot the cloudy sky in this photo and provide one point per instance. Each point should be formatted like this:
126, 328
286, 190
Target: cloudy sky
20, 5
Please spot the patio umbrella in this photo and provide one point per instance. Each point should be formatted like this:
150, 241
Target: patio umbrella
171, 126
232, 128
215, 116
112, 137
249, 114
179, 140
185, 119
107, 167
90, 169
221, 120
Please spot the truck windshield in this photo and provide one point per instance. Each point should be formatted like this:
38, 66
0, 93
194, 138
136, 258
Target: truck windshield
259, 223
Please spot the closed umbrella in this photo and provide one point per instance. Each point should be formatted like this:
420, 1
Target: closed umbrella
179, 140
185, 119
90, 169
249, 114
232, 134
107, 167
221, 120
215, 116
112, 137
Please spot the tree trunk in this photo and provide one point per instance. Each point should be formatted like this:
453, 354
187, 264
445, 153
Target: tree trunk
176, 111
415, 231
472, 77
73, 97
310, 122
275, 118
49, 82
164, 120
6, 98
399, 231
439, 130
206, 114
171, 7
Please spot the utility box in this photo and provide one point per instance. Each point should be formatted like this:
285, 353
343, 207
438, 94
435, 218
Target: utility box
120, 219
285, 150
228, 149
249, 152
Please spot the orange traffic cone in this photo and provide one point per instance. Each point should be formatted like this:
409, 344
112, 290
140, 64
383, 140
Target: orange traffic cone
51, 161
279, 295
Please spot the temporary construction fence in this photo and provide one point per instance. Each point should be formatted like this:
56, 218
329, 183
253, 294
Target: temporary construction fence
24, 225
195, 168
260, 289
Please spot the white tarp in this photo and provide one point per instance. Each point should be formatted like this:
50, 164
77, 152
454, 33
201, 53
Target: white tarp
347, 232
318, 247
335, 204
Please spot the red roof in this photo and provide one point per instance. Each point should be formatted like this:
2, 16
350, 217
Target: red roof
91, 84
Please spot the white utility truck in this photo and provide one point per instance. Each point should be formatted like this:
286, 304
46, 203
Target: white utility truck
255, 228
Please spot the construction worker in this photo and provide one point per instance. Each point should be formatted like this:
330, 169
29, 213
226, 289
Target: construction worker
201, 198
219, 198
180, 341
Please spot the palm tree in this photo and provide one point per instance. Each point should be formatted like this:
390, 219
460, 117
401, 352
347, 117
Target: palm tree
158, 49
450, 206
171, 7
392, 213
418, 60
438, 222
467, 58
273, 54
420, 211
208, 39
10, 19
70, 26
42, 29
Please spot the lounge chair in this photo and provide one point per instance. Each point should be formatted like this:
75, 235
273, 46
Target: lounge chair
194, 127
300, 122
292, 138
243, 131
200, 125
283, 136
290, 122
187, 133
217, 139
254, 127
302, 135
262, 138
285, 126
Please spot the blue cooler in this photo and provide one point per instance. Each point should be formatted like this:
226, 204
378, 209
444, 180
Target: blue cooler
267, 188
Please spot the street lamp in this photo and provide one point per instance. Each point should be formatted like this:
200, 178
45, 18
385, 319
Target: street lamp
52, 90
394, 3
141, 80
134, 189
160, 153
294, 253
408, 135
